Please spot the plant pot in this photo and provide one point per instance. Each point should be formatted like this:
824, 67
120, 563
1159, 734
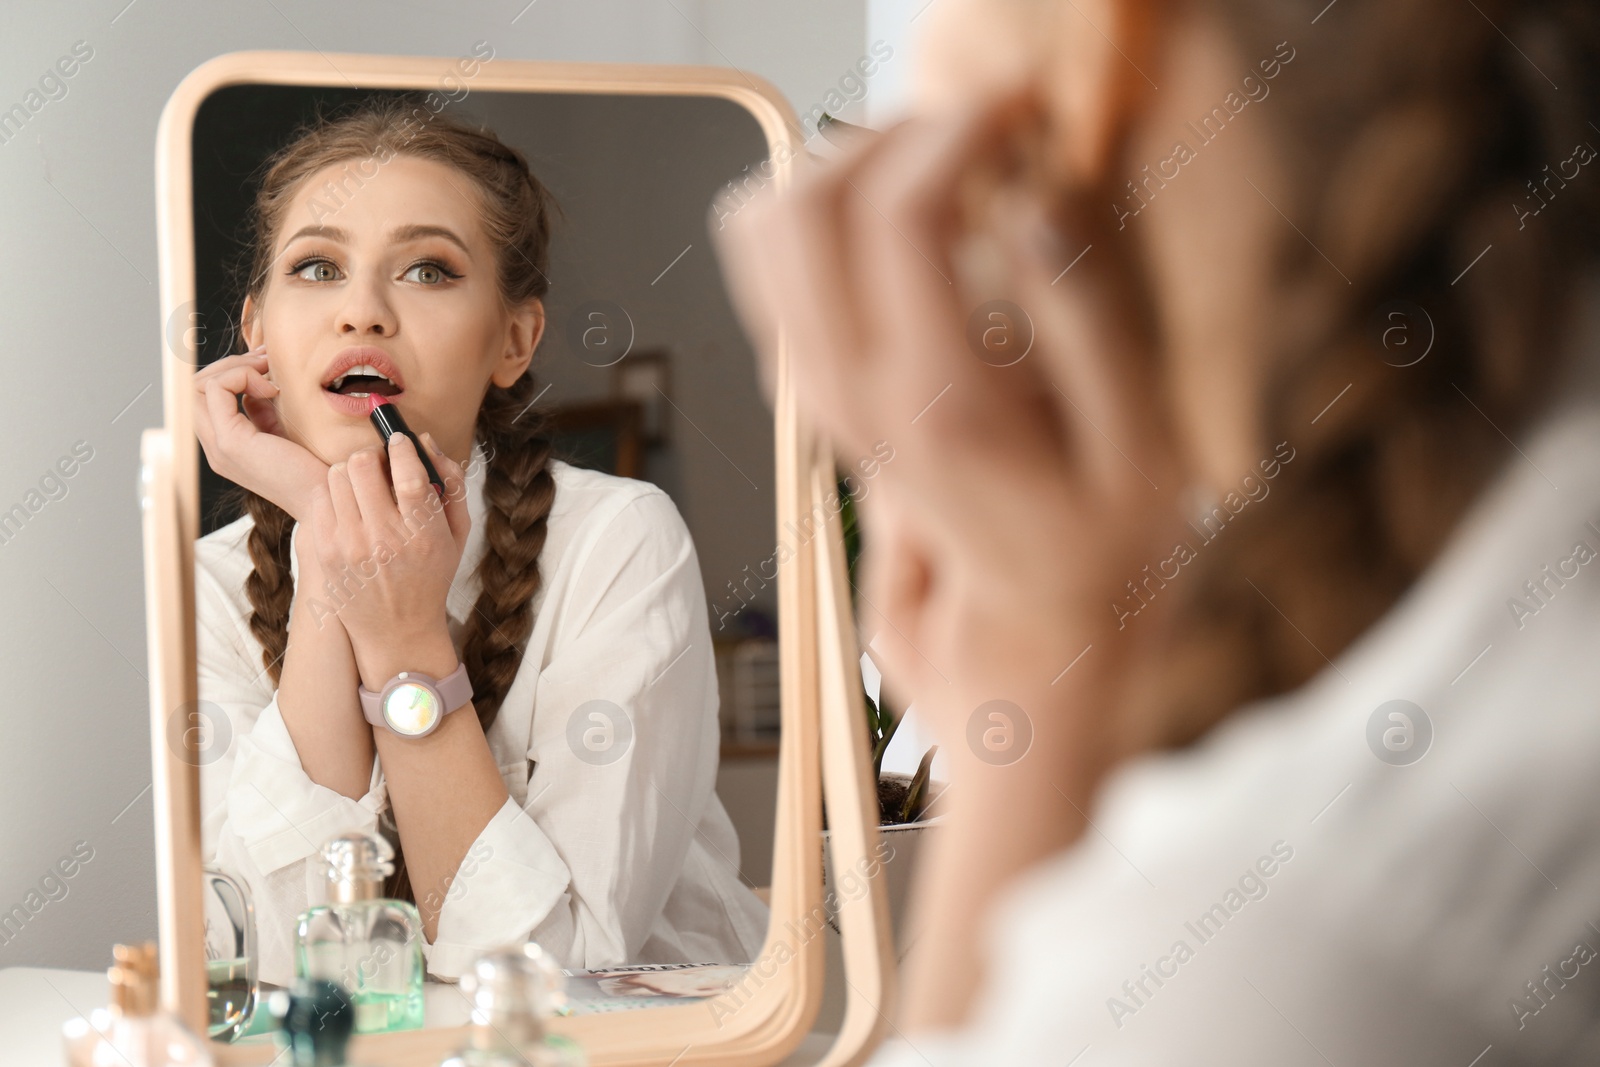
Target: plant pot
899, 847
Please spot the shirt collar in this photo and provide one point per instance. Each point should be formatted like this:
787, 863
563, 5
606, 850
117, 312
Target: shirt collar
465, 588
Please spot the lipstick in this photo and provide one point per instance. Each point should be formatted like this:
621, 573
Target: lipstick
388, 421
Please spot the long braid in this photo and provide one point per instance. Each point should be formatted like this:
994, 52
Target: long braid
269, 586
518, 492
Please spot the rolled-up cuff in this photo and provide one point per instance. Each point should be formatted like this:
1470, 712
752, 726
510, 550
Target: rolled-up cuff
280, 814
508, 885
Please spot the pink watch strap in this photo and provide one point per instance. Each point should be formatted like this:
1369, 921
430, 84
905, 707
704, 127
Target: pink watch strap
454, 689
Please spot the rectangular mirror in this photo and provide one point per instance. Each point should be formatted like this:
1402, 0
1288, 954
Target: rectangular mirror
657, 731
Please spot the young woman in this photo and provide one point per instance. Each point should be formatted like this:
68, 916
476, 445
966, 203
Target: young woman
570, 800
1277, 547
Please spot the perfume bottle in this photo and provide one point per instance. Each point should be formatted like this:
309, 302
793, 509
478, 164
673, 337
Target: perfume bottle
370, 946
131, 1032
513, 991
315, 1020
230, 944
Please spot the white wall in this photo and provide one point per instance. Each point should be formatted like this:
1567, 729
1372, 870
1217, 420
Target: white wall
80, 351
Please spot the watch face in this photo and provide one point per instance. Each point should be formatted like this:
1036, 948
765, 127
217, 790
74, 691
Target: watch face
411, 709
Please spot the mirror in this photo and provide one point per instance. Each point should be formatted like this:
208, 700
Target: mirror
657, 742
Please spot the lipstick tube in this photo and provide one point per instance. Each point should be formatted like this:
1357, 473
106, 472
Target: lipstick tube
387, 420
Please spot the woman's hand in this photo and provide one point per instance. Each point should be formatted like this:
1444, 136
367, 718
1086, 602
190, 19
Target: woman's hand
249, 448
392, 554
1034, 474
1029, 483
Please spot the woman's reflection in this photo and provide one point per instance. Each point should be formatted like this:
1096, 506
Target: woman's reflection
571, 800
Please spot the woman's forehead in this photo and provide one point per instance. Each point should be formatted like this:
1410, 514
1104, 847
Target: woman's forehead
363, 201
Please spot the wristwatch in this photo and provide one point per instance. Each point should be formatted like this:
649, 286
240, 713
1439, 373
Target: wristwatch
413, 704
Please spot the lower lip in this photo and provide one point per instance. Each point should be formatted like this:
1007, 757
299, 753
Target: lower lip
355, 405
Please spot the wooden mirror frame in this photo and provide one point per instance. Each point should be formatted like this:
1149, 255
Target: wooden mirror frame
822, 744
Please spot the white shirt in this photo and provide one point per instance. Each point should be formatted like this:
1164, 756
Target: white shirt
602, 863
1356, 912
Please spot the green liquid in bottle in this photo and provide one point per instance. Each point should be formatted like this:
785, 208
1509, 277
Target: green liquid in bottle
379, 1013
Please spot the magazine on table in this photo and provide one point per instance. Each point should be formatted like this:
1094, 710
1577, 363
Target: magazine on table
647, 985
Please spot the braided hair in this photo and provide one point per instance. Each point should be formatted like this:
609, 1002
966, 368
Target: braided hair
1412, 134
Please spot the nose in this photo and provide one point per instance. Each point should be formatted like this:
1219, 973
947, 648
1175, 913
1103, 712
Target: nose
367, 309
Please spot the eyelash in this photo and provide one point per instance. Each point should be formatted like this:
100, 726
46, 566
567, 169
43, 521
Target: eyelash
309, 260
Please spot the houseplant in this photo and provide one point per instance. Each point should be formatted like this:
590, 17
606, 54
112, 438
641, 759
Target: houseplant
901, 799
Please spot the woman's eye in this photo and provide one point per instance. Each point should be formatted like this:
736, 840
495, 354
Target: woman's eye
430, 273
321, 270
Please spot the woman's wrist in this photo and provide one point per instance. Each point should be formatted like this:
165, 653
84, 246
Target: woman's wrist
429, 651
314, 596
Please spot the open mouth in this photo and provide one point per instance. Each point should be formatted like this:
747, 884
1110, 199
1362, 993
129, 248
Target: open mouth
361, 381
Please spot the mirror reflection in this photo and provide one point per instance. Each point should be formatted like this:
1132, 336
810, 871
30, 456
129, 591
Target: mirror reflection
486, 644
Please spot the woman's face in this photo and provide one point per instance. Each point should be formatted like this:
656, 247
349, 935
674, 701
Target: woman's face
386, 272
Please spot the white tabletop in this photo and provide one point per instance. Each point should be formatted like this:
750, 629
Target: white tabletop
35, 1002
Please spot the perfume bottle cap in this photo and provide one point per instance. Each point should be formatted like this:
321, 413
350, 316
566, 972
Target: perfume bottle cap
514, 988
316, 1019
133, 978
356, 866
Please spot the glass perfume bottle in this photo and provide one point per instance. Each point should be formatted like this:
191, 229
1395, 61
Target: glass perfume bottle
367, 944
513, 991
131, 1032
230, 942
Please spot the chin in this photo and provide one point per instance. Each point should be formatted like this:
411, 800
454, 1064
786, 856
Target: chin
334, 444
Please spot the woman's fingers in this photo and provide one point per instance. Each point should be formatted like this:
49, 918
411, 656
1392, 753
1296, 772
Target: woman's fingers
455, 489
370, 483
420, 506
346, 538
784, 261
226, 423
220, 419
912, 229
255, 359
1092, 345
324, 524
857, 267
410, 477
921, 184
264, 414
252, 447
239, 378
760, 245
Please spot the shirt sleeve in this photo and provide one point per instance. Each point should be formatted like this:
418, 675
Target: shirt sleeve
262, 817
624, 750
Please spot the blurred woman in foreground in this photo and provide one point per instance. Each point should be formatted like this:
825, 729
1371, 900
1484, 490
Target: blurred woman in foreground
1241, 365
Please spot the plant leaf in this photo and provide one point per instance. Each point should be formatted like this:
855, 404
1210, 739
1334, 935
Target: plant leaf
917, 796
888, 723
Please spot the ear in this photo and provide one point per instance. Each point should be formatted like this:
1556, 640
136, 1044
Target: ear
522, 337
249, 326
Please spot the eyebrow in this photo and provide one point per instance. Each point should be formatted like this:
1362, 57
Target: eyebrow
400, 234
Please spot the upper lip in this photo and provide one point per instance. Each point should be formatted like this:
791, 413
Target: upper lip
376, 358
